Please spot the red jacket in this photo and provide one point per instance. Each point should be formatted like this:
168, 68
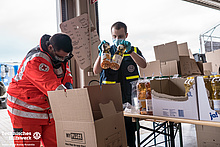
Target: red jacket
27, 100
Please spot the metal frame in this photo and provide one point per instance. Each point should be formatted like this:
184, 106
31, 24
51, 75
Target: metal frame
166, 128
214, 4
208, 36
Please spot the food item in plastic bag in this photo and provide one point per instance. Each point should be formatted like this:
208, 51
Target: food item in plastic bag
149, 108
141, 94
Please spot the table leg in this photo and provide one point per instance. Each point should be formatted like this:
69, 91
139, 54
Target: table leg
138, 132
172, 137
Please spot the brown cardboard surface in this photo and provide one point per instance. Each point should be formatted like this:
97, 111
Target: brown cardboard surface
174, 87
107, 109
167, 52
194, 67
214, 58
112, 125
200, 66
207, 68
191, 55
64, 108
75, 124
183, 49
104, 94
169, 68
152, 69
177, 87
185, 66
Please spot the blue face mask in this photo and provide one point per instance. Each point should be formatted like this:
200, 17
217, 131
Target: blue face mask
116, 41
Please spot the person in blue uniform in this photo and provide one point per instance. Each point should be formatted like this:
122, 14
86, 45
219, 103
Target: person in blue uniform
127, 72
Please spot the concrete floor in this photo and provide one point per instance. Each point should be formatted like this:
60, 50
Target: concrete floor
188, 131
6, 138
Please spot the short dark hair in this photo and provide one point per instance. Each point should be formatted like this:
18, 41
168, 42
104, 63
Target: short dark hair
61, 41
118, 25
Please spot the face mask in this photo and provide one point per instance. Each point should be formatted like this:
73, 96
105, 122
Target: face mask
116, 41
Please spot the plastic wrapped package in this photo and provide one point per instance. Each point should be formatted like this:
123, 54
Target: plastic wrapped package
141, 96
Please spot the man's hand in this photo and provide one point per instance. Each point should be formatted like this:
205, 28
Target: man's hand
100, 47
127, 45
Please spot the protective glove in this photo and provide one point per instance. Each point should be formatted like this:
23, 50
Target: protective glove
68, 85
100, 47
127, 45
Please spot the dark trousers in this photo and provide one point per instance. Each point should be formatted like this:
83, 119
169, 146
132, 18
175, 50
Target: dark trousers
130, 131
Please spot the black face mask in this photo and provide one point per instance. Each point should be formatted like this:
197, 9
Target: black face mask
58, 63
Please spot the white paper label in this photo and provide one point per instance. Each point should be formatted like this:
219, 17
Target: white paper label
216, 104
105, 57
117, 59
149, 105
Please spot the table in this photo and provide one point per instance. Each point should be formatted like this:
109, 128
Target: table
171, 121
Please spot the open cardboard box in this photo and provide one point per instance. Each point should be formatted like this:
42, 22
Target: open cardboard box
168, 99
205, 110
89, 117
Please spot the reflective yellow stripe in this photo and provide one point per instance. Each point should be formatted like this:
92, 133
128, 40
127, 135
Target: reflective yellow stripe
108, 82
132, 77
135, 50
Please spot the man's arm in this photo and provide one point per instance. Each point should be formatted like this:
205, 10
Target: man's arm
97, 65
140, 61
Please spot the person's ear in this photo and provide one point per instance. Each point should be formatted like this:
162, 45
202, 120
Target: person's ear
50, 47
126, 35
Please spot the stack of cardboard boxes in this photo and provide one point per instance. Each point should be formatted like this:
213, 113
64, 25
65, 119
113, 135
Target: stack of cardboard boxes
171, 59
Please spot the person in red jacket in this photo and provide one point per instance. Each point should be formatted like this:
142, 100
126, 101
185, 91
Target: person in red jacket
44, 68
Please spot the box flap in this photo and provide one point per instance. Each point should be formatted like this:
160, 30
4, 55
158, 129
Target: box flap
107, 109
72, 105
167, 52
194, 67
104, 94
185, 66
152, 69
191, 55
183, 49
207, 68
200, 66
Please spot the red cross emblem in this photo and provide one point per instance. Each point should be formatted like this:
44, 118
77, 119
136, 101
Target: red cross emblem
44, 67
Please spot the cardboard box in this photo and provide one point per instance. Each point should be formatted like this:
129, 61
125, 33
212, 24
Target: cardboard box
214, 58
207, 68
167, 52
153, 69
89, 117
205, 111
169, 68
175, 59
168, 99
